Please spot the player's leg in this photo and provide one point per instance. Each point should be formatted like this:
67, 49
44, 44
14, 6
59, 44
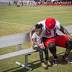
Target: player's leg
40, 53
41, 56
52, 48
50, 44
64, 42
47, 57
46, 53
68, 49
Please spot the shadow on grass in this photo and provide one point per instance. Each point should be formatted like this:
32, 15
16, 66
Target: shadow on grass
16, 69
36, 64
33, 65
69, 59
21, 70
60, 58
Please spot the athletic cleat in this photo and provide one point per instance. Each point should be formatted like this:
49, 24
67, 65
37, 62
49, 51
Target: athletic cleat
49, 63
55, 62
65, 59
44, 65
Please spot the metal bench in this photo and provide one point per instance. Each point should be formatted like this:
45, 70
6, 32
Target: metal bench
17, 40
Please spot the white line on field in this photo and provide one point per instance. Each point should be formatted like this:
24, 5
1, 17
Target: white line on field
11, 23
8, 22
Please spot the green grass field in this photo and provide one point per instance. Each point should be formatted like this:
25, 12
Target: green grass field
22, 19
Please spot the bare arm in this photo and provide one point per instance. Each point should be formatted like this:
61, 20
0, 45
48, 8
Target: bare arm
34, 42
41, 45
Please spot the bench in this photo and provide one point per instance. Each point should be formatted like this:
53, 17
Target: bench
18, 40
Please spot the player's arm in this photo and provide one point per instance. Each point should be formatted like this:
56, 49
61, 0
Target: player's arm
34, 42
41, 45
62, 29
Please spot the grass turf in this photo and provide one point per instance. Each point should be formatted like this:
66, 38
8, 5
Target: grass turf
22, 19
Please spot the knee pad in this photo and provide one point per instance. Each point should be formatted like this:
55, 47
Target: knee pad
52, 48
51, 45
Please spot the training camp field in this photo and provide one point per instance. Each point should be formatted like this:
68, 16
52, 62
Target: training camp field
21, 19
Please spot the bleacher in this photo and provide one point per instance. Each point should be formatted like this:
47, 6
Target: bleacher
68, 3
35, 2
